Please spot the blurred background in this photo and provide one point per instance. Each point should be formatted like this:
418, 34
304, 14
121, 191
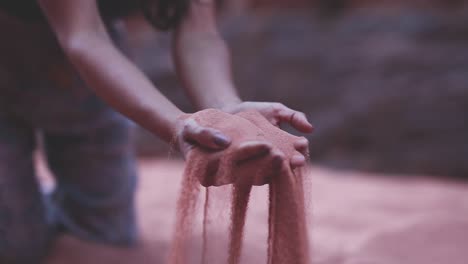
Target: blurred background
384, 82
386, 85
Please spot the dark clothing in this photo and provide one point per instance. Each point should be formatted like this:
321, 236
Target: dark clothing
26, 10
86, 145
29, 10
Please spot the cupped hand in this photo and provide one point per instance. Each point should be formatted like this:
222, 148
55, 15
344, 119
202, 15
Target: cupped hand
190, 134
277, 113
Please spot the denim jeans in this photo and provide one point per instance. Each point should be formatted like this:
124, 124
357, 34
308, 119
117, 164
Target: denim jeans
87, 146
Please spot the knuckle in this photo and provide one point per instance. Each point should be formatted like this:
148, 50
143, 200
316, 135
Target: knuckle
277, 156
186, 132
186, 128
205, 133
189, 126
277, 107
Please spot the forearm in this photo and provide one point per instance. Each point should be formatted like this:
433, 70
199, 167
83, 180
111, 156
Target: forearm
203, 65
83, 37
122, 85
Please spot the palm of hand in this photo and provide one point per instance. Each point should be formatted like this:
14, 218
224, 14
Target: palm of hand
257, 153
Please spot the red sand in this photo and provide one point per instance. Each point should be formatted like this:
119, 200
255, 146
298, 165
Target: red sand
358, 218
287, 239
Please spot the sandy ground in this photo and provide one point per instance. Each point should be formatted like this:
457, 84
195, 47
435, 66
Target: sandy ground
356, 219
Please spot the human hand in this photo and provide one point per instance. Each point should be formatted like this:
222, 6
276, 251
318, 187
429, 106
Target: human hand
252, 157
190, 134
277, 113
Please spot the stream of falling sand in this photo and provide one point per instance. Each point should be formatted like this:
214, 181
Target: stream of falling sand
287, 229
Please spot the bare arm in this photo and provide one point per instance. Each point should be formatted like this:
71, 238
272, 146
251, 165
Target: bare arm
204, 66
202, 58
202, 61
84, 39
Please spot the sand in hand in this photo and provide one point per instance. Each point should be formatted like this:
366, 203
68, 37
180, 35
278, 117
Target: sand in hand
287, 229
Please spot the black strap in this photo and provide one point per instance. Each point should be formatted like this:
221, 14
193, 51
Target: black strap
29, 10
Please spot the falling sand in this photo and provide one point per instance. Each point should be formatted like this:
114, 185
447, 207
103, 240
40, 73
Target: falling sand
287, 230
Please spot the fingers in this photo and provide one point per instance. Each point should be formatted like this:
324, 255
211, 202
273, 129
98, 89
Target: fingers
296, 119
274, 168
302, 145
209, 176
203, 136
251, 150
297, 161
277, 158
300, 158
212, 176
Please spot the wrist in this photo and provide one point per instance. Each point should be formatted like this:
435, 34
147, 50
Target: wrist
164, 125
230, 106
178, 124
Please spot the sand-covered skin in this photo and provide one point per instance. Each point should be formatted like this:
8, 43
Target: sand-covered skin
287, 230
357, 218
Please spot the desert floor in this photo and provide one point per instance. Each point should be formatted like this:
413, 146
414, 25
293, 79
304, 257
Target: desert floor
356, 218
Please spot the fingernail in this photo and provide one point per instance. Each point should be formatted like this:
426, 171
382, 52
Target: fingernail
298, 160
221, 140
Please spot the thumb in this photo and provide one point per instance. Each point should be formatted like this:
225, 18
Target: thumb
296, 119
204, 137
